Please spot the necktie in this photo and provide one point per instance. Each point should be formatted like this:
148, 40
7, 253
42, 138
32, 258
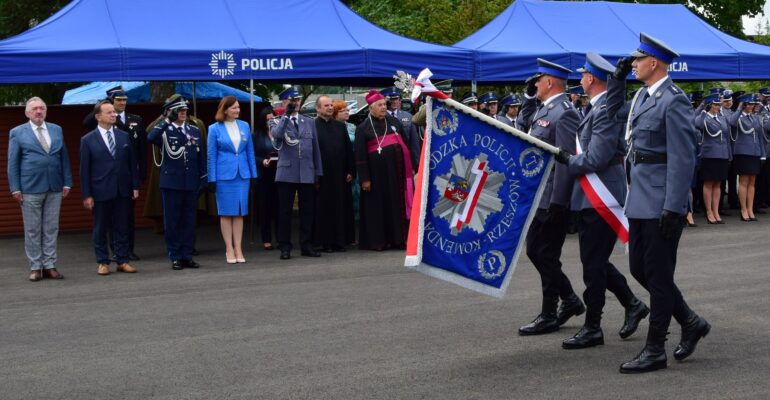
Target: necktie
587, 109
645, 97
296, 126
111, 143
42, 140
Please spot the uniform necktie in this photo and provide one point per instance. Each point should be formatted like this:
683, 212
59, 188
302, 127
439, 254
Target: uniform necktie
587, 109
296, 126
42, 140
111, 143
645, 97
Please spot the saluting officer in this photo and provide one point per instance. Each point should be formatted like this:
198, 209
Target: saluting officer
471, 100
393, 101
137, 135
555, 121
182, 176
662, 162
715, 154
603, 147
510, 104
748, 151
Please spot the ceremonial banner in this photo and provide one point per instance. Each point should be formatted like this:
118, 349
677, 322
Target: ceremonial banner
477, 190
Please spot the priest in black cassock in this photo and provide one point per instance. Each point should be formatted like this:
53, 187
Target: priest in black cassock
385, 171
330, 227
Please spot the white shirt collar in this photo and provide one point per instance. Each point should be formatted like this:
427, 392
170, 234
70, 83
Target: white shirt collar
596, 98
550, 99
34, 127
655, 86
177, 126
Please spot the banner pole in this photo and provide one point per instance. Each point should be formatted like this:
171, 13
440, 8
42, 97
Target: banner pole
513, 131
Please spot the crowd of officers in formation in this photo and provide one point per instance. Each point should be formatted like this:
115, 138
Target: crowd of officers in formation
661, 142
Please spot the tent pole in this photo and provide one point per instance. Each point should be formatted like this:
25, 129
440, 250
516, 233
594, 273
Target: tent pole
251, 192
195, 103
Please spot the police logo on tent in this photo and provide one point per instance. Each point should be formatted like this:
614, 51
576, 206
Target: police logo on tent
222, 64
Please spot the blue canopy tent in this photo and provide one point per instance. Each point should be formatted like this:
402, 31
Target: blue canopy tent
139, 92
563, 32
295, 41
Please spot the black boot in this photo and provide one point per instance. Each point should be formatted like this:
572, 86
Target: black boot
570, 307
589, 335
652, 357
635, 313
545, 322
692, 331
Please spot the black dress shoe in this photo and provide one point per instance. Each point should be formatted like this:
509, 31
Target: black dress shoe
191, 264
310, 253
544, 323
587, 336
133, 257
571, 307
176, 265
695, 329
652, 358
753, 219
635, 313
285, 255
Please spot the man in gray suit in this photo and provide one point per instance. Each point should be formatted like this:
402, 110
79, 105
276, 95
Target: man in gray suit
39, 177
662, 161
554, 121
603, 147
298, 169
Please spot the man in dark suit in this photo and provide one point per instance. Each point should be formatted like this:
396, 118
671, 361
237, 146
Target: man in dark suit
599, 169
182, 177
39, 177
662, 162
110, 181
298, 170
554, 121
137, 135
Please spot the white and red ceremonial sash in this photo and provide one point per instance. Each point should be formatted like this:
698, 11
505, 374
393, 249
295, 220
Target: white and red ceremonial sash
604, 202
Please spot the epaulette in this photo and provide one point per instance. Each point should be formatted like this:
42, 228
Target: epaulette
602, 106
566, 104
674, 89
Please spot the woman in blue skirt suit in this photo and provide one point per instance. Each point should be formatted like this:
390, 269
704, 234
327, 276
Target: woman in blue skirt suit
231, 167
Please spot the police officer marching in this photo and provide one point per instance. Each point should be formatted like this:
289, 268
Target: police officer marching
662, 136
554, 121
603, 148
182, 175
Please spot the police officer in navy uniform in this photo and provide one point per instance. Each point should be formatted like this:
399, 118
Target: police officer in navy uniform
662, 139
393, 101
554, 121
182, 177
137, 135
510, 104
471, 100
603, 148
577, 98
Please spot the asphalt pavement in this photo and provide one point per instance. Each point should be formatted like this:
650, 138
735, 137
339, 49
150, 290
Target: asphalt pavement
358, 325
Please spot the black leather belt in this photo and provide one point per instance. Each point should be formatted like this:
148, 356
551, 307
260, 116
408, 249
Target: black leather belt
638, 157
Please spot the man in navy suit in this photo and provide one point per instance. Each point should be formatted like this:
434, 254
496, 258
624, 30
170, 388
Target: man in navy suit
39, 177
298, 170
662, 162
603, 147
110, 182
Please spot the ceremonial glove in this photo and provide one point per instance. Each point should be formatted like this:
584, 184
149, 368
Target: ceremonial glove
172, 115
531, 89
212, 187
622, 68
562, 156
290, 108
670, 223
